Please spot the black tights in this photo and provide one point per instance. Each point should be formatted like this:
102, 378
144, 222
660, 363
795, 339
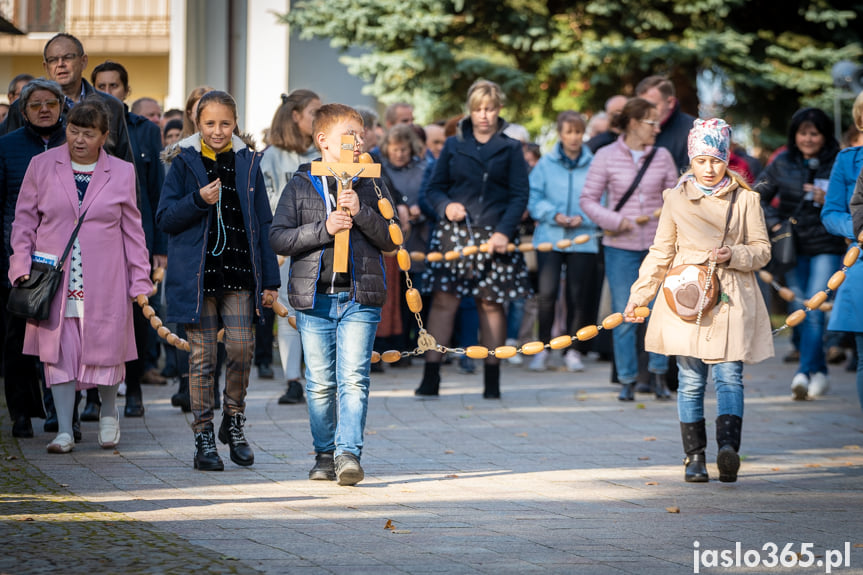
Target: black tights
441, 320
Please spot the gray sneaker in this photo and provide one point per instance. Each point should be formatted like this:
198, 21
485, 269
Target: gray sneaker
348, 469
324, 469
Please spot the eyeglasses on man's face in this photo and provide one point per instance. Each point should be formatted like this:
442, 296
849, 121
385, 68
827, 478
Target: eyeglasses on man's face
54, 60
50, 104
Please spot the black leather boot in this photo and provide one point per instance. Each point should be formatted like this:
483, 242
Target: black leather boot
627, 392
181, 399
231, 432
206, 455
728, 429
430, 385
694, 437
660, 386
491, 381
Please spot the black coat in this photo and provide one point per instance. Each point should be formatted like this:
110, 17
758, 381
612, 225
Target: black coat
785, 177
489, 180
299, 231
674, 137
16, 150
146, 139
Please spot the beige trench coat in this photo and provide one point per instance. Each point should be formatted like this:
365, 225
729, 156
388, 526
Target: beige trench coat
690, 226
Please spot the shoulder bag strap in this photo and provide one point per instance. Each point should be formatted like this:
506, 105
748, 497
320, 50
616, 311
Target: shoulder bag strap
728, 215
71, 241
636, 181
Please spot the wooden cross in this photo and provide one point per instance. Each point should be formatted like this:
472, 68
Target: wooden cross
345, 170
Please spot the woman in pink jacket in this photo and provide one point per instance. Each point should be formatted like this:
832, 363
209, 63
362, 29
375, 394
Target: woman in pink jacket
88, 337
629, 222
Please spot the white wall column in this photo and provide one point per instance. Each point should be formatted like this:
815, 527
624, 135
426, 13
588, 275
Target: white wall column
267, 64
177, 90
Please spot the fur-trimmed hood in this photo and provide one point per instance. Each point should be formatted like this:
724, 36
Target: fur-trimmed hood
244, 140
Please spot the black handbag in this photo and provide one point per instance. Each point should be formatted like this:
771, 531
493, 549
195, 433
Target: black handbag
783, 248
31, 299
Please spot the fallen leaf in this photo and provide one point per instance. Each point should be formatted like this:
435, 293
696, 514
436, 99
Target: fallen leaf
650, 438
523, 434
449, 451
640, 406
651, 483
453, 476
673, 509
812, 465
850, 447
116, 452
644, 458
408, 491
389, 525
774, 469
858, 545
468, 407
371, 432
400, 531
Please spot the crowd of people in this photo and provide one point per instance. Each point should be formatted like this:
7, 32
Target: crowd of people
651, 188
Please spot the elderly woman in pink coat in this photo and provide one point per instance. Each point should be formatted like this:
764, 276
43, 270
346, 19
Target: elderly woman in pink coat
88, 337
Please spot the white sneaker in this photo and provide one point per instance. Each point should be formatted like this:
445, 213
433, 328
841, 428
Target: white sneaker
109, 431
818, 384
573, 362
63, 443
800, 387
517, 359
539, 361
121, 389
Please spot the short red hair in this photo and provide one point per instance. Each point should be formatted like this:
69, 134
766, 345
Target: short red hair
329, 115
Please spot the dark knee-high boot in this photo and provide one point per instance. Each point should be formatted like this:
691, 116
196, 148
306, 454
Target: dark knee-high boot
728, 429
491, 380
430, 385
694, 437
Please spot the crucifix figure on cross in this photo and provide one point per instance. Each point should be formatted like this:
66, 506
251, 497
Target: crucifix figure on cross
344, 171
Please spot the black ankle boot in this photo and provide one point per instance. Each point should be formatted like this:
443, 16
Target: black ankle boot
627, 392
430, 385
181, 399
491, 381
206, 455
231, 433
325, 467
694, 437
728, 429
660, 386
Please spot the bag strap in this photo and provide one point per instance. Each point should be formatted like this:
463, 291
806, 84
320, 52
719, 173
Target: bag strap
71, 241
637, 180
728, 215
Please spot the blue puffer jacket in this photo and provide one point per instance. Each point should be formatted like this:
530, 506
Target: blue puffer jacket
489, 180
17, 148
556, 189
847, 314
184, 216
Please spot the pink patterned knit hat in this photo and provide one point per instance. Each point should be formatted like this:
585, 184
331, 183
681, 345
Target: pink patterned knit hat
710, 138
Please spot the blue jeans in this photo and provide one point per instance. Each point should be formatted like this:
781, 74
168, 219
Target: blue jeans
692, 379
337, 336
809, 277
621, 270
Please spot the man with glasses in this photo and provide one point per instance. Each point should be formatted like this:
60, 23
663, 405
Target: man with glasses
64, 62
674, 124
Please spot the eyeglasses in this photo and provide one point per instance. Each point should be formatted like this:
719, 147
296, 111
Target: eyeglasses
50, 104
53, 60
652, 123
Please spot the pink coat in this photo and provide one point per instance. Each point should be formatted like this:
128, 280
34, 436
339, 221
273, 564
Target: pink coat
613, 170
113, 252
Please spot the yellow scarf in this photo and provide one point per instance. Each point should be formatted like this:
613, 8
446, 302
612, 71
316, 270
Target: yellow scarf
209, 152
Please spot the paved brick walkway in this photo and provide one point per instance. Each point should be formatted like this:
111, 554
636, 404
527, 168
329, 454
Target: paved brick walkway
557, 477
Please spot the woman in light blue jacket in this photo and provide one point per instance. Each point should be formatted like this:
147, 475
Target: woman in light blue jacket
847, 314
555, 190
